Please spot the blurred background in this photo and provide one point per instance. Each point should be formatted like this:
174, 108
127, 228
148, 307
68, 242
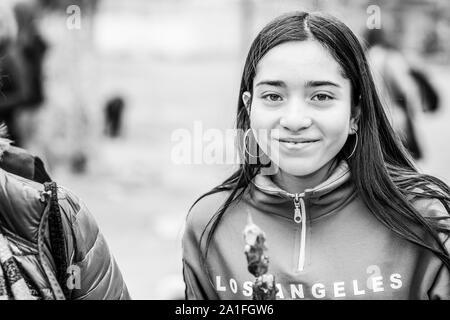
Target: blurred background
114, 79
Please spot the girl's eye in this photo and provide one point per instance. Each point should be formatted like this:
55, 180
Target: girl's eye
322, 97
272, 97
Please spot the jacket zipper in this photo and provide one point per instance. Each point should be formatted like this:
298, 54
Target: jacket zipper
300, 217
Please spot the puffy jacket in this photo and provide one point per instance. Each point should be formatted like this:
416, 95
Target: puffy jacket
323, 244
24, 211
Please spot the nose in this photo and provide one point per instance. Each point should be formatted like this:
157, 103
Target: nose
295, 117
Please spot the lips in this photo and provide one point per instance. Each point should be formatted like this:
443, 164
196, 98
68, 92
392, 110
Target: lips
297, 143
296, 140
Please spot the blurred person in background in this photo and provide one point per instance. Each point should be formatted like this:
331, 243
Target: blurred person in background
393, 78
114, 116
50, 244
22, 77
14, 159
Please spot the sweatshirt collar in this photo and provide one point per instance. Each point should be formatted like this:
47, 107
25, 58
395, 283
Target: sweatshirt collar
325, 198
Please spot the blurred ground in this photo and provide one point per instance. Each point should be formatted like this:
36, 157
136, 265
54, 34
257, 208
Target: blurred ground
136, 193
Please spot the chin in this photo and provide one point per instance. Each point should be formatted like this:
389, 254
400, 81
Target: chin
297, 167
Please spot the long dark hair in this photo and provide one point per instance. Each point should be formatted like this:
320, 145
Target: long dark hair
383, 172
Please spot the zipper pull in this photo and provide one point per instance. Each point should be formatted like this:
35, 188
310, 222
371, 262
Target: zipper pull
44, 196
297, 211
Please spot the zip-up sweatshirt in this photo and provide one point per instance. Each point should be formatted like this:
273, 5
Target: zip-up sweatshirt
323, 243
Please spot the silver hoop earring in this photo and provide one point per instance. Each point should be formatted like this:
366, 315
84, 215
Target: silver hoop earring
354, 148
245, 145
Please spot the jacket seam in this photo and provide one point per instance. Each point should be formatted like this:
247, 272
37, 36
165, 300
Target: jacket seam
15, 237
90, 249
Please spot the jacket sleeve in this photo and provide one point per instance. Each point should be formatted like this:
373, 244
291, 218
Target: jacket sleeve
198, 285
441, 287
193, 288
436, 281
97, 274
440, 290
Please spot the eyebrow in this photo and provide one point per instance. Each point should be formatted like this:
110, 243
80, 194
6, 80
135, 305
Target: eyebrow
274, 83
309, 84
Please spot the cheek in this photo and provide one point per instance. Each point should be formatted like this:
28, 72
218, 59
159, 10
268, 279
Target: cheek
261, 118
262, 122
335, 128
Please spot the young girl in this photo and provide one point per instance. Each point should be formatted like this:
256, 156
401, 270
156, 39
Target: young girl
346, 214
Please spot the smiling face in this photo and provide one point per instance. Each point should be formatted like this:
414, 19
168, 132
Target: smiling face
300, 108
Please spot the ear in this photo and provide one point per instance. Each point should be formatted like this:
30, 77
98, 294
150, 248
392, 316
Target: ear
354, 120
246, 98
